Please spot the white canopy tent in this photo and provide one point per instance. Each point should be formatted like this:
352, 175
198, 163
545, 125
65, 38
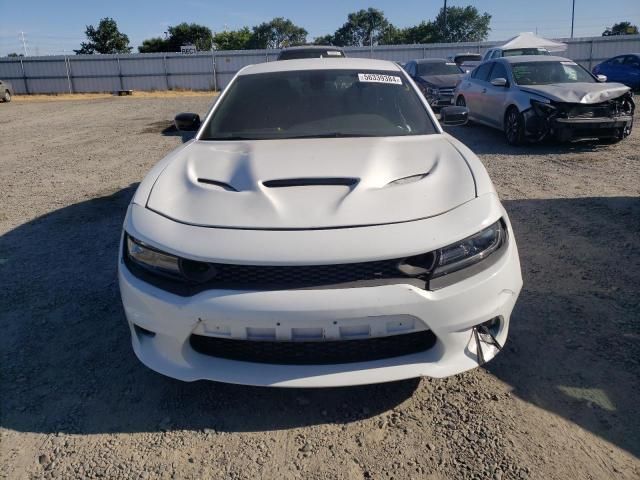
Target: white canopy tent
530, 40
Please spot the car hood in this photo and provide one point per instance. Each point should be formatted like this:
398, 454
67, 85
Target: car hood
312, 183
443, 81
578, 92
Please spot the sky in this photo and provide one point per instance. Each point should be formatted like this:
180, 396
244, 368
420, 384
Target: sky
57, 27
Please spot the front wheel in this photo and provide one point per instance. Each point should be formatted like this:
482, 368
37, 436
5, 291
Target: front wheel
7, 96
461, 102
514, 127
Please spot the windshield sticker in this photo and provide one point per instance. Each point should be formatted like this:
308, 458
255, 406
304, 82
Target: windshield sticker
333, 53
568, 63
451, 63
379, 78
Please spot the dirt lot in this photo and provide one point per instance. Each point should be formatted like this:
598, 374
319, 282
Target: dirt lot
560, 402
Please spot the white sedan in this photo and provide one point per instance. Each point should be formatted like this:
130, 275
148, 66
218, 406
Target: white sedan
320, 230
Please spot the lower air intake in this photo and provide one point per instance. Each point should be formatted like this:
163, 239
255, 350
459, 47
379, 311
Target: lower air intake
314, 353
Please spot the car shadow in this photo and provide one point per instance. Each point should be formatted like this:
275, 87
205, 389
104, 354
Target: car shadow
486, 140
68, 365
67, 360
167, 128
574, 345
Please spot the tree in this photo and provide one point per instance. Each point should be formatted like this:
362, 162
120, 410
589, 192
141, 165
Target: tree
177, 36
14, 54
424, 32
153, 45
233, 39
464, 24
189, 34
277, 33
621, 28
104, 39
363, 27
393, 36
324, 40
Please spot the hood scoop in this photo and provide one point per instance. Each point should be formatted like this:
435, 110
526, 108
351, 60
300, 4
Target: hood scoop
409, 179
306, 182
224, 186
313, 183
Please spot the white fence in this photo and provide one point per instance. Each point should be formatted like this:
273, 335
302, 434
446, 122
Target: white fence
214, 70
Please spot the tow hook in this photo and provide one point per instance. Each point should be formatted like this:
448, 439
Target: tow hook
482, 334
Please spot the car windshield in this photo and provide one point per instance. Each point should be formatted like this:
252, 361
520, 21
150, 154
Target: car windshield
318, 103
472, 57
525, 51
313, 53
426, 69
545, 73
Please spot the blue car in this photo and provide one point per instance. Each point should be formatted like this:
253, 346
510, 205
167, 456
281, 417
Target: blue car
622, 69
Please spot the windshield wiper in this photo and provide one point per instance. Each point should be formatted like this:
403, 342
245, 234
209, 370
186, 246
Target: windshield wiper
332, 135
275, 137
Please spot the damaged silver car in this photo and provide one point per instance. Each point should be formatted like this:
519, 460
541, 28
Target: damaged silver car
532, 98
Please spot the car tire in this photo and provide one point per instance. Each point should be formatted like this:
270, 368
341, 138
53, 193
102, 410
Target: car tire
514, 126
7, 96
461, 102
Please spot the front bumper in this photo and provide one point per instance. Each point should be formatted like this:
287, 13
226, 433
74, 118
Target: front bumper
539, 126
576, 128
331, 314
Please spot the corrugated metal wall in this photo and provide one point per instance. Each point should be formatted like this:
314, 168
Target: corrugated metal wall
211, 70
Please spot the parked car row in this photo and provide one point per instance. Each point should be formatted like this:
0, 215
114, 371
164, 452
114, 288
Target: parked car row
531, 97
386, 252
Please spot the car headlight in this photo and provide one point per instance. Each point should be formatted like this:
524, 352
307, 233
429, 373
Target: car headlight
543, 107
167, 265
152, 259
469, 251
432, 91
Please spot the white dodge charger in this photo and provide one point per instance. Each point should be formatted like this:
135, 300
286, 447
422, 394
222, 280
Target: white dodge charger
320, 230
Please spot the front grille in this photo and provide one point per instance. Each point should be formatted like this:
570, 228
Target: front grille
230, 276
446, 91
410, 270
314, 353
590, 111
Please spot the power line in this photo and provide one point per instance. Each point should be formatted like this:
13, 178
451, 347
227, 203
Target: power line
24, 45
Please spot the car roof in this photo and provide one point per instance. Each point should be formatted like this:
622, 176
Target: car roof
311, 48
531, 58
320, 64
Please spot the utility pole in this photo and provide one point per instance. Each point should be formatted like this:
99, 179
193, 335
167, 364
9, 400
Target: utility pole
24, 44
573, 13
445, 21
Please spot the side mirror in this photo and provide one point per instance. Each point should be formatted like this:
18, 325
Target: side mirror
499, 82
602, 78
187, 122
453, 116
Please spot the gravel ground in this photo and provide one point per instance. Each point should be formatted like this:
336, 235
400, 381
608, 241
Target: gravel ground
560, 402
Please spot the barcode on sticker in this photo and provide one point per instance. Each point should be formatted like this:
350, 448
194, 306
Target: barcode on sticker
379, 78
333, 53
